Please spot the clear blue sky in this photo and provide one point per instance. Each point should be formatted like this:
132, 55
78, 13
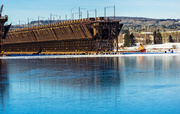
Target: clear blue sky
23, 9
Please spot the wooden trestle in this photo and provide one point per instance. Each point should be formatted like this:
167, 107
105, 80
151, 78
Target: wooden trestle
91, 34
2, 32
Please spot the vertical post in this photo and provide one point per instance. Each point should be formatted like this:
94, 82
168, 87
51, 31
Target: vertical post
101, 37
48, 20
117, 37
95, 13
66, 17
114, 13
72, 12
73, 16
87, 14
109, 37
1, 46
104, 12
19, 24
1, 25
38, 20
59, 18
50, 17
28, 22
146, 35
79, 13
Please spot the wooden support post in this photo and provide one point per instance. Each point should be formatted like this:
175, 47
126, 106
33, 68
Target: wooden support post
109, 37
101, 37
117, 36
1, 46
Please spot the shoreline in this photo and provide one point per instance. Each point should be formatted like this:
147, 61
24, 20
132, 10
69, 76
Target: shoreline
88, 56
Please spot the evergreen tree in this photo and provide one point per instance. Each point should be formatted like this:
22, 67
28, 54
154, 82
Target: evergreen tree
155, 37
158, 37
132, 40
127, 39
170, 38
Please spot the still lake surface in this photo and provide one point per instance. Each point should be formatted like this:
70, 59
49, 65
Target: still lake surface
123, 85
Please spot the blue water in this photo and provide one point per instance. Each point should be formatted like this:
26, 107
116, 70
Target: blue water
124, 85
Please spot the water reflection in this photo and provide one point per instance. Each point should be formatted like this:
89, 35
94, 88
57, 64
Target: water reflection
79, 71
4, 84
90, 85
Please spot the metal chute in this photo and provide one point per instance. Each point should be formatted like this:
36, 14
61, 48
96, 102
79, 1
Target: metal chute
120, 27
6, 29
1, 10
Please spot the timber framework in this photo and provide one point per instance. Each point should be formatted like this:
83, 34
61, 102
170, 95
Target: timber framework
91, 34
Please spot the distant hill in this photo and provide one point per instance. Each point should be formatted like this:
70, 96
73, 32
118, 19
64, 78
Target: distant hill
134, 24
138, 24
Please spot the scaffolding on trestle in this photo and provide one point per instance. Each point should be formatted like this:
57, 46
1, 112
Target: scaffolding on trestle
91, 34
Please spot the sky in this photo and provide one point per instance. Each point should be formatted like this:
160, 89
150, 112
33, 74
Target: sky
24, 9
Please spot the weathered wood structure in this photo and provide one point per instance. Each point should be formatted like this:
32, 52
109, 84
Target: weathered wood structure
3, 29
91, 34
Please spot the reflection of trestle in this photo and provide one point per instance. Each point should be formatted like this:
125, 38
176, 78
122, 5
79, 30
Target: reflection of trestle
4, 85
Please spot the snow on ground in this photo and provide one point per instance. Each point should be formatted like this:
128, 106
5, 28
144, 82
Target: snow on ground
157, 47
165, 45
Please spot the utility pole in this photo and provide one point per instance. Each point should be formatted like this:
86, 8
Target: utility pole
48, 20
38, 20
104, 12
50, 17
114, 13
66, 17
110, 7
87, 14
71, 12
28, 22
95, 13
92, 10
59, 18
79, 12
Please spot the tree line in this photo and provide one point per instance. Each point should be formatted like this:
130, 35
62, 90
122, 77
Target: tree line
129, 39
